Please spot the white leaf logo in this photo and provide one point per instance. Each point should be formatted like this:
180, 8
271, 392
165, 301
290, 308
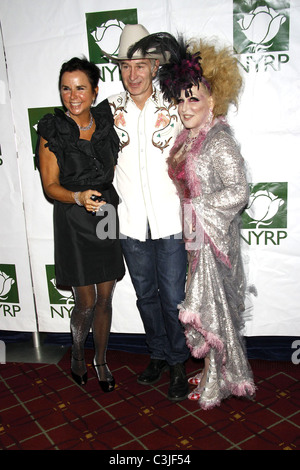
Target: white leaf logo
107, 36
67, 298
263, 206
260, 26
6, 283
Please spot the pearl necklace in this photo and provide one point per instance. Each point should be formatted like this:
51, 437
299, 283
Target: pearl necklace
87, 128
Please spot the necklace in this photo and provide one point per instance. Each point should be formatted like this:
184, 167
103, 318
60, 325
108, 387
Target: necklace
189, 141
87, 128
203, 130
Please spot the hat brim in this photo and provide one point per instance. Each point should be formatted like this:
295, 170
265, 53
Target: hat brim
160, 57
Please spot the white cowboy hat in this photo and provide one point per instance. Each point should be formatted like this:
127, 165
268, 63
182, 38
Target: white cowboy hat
130, 35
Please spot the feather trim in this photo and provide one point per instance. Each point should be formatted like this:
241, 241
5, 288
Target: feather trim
245, 388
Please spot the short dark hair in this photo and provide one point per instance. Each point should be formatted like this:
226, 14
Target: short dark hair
89, 68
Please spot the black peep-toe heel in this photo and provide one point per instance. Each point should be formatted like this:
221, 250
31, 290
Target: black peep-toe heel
106, 385
80, 380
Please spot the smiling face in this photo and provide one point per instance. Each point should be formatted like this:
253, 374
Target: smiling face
137, 76
76, 93
194, 109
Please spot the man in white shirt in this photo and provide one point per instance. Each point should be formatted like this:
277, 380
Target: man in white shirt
149, 212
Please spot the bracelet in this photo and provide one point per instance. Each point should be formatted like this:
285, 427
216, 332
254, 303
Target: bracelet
76, 198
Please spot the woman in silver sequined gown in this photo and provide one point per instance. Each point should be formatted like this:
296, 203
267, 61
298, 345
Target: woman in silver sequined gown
208, 171
214, 303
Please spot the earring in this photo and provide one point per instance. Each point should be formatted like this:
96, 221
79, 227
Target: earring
209, 120
210, 116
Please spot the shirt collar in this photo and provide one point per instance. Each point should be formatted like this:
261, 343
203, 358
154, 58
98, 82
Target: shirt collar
154, 97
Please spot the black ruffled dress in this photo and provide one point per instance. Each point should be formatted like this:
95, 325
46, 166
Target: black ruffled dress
87, 248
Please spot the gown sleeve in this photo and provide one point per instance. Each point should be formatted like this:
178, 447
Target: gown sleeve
217, 210
229, 165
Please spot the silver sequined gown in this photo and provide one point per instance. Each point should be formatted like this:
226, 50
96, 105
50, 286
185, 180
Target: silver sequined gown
213, 188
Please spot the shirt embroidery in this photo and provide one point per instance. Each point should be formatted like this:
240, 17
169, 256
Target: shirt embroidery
166, 120
167, 117
120, 124
146, 137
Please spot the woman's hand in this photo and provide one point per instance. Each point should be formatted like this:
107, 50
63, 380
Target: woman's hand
89, 200
50, 177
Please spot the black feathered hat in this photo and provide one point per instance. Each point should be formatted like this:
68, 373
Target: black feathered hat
182, 69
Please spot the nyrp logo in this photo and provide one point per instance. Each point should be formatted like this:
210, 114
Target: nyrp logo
261, 33
61, 300
266, 214
9, 295
103, 33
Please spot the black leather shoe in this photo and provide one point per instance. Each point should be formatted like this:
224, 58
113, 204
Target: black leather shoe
153, 372
179, 388
107, 385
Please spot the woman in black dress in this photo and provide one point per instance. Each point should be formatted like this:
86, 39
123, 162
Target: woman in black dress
76, 154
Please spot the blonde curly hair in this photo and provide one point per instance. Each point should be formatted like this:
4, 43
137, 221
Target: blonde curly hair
221, 71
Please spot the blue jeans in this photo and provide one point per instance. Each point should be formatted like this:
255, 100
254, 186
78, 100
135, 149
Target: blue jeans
158, 272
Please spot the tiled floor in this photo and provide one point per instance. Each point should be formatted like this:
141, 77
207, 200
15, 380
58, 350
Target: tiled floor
42, 408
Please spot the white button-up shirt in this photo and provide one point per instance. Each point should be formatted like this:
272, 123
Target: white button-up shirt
141, 179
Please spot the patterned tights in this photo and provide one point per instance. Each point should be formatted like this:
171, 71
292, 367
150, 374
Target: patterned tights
93, 309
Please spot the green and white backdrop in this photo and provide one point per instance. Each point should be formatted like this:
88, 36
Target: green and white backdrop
37, 36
